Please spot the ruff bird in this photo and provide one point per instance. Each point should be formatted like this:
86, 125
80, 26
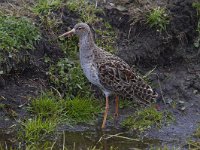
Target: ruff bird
109, 72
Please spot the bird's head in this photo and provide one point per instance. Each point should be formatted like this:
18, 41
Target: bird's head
79, 29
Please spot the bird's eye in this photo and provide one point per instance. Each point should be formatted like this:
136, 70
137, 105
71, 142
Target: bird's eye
79, 28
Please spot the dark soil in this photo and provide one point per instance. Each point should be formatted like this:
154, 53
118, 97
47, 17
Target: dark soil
172, 53
176, 77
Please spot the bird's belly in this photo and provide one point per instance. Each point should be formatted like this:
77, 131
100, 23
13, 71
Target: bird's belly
91, 73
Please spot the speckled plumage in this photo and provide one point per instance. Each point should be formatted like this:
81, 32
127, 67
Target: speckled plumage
109, 72
118, 77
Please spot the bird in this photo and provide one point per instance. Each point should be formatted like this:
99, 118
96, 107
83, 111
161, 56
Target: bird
109, 72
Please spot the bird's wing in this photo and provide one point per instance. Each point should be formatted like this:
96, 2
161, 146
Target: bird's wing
117, 76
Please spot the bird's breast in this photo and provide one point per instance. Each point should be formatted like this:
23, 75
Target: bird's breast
91, 73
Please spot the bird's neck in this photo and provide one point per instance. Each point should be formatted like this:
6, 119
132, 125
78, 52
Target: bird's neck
86, 45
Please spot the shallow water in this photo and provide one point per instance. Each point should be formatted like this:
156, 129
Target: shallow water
106, 140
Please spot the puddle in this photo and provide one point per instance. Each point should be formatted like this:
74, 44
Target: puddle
106, 140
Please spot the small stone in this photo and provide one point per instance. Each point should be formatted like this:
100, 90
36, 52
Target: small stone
121, 8
181, 102
195, 91
182, 108
111, 4
168, 101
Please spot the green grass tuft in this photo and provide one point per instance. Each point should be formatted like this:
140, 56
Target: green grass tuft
49, 111
197, 7
81, 110
74, 110
193, 145
44, 106
197, 133
36, 129
86, 10
43, 7
158, 18
145, 119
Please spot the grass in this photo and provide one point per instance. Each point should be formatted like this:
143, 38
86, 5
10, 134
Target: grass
197, 132
43, 7
81, 110
196, 5
36, 129
17, 35
193, 145
145, 119
86, 10
88, 14
45, 106
69, 79
66, 75
158, 18
49, 111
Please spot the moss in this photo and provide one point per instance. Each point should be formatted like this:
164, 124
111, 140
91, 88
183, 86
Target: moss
145, 119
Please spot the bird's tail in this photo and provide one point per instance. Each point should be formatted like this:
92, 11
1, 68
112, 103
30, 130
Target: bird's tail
144, 92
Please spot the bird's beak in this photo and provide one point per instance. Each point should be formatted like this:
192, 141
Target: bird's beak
68, 34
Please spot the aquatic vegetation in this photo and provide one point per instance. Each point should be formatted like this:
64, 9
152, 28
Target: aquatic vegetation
146, 118
158, 18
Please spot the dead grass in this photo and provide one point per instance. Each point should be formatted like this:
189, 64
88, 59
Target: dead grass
17, 8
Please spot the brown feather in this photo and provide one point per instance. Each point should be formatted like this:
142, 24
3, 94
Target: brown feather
118, 77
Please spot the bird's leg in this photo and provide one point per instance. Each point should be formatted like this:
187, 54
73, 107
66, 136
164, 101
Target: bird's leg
116, 107
105, 113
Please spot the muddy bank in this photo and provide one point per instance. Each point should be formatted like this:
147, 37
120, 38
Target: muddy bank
171, 53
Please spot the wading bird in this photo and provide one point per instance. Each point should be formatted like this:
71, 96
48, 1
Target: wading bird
109, 72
